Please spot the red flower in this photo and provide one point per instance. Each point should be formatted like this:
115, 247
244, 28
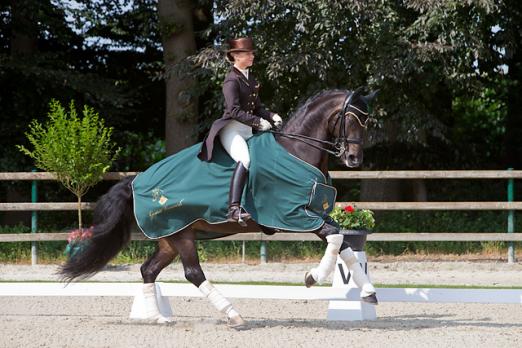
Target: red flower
348, 209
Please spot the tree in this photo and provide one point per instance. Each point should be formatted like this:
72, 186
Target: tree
508, 40
102, 57
178, 40
78, 150
420, 54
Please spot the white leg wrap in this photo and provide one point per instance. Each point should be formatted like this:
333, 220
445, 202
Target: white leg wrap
151, 304
327, 264
217, 299
359, 277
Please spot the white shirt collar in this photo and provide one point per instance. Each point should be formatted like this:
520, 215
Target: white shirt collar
243, 71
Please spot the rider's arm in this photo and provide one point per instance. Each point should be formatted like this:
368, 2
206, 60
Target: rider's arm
233, 106
261, 111
259, 108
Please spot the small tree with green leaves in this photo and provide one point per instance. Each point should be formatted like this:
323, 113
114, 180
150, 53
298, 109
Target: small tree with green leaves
78, 150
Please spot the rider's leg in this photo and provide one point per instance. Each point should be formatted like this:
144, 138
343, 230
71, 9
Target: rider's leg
234, 143
319, 274
359, 277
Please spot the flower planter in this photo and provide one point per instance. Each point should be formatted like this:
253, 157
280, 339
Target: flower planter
355, 238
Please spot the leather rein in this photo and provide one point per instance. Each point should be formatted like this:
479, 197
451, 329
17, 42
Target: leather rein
340, 145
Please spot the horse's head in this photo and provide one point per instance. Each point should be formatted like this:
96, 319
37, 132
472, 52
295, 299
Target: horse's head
349, 128
332, 122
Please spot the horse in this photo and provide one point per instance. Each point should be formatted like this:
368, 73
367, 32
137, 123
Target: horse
332, 122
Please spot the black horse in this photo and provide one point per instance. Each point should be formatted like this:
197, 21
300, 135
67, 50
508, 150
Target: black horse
331, 122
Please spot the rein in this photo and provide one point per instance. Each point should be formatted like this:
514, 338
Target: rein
341, 142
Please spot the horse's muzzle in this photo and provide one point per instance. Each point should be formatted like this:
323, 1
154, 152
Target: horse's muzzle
353, 161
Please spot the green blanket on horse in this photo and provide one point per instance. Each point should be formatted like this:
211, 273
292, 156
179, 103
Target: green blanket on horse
283, 192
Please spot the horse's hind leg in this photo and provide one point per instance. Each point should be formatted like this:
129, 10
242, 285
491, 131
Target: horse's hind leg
162, 257
185, 243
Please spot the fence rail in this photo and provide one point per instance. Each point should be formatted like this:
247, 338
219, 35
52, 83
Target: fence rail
300, 237
64, 206
511, 206
378, 174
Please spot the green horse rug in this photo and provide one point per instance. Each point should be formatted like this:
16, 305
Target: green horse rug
282, 193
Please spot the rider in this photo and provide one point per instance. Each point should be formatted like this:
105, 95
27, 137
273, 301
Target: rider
243, 113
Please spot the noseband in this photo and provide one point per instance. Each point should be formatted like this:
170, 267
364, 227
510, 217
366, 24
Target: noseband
340, 144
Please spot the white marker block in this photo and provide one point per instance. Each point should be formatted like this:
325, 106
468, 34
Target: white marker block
350, 310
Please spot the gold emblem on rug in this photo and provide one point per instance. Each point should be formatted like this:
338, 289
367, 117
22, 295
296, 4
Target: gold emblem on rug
163, 200
157, 195
326, 205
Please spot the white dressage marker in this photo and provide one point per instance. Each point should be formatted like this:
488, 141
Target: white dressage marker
350, 310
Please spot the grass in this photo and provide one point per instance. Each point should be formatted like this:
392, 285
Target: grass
268, 283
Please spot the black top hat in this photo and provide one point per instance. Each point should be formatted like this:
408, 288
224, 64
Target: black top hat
242, 44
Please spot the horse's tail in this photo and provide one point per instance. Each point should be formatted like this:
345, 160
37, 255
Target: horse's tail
110, 233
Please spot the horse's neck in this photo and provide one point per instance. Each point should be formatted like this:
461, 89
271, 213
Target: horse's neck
314, 126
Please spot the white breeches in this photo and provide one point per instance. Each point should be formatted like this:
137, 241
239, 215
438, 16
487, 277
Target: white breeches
233, 138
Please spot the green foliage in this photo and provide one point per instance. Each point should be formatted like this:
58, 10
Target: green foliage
78, 150
72, 57
484, 117
351, 218
141, 151
420, 54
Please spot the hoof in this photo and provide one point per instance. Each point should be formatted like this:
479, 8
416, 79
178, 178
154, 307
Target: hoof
236, 323
160, 319
309, 280
372, 299
157, 319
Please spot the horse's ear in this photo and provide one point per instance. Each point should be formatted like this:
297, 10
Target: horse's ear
358, 90
368, 98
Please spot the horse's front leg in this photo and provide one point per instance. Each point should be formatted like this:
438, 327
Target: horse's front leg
330, 234
186, 246
337, 246
359, 277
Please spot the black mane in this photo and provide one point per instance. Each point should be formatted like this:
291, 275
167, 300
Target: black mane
303, 108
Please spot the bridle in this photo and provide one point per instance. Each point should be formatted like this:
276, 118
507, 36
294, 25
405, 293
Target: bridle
340, 144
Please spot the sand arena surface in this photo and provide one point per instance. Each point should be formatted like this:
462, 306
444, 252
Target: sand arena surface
397, 272
103, 321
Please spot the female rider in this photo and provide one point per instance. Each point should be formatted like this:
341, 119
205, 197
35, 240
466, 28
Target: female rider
243, 114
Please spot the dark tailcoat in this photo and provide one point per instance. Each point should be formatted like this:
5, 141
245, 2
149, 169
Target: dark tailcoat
242, 104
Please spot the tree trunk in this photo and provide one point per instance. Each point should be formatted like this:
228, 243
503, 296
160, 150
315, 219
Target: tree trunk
80, 213
25, 32
178, 42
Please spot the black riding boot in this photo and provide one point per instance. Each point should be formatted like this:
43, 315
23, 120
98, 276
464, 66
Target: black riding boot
237, 183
